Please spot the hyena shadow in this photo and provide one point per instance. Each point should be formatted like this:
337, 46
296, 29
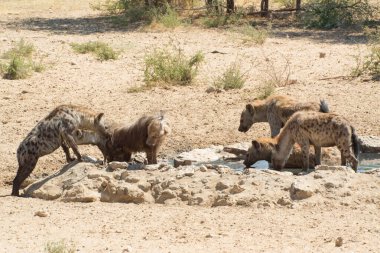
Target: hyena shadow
37, 185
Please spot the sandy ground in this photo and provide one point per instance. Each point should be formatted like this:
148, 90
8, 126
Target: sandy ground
198, 118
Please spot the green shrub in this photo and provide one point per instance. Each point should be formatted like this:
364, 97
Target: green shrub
101, 50
232, 78
253, 35
168, 67
286, 3
329, 14
266, 90
59, 247
18, 68
21, 49
168, 17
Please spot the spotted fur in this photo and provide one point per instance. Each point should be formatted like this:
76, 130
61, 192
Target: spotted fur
320, 130
52, 132
276, 110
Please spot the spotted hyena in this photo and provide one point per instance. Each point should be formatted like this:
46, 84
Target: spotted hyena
263, 148
276, 110
52, 132
317, 129
146, 135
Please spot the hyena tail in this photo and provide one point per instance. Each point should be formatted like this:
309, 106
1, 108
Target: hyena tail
355, 143
323, 106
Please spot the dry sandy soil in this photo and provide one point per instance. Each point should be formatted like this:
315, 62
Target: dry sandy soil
198, 118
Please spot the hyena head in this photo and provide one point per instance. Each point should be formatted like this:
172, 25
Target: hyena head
255, 153
278, 161
158, 128
246, 118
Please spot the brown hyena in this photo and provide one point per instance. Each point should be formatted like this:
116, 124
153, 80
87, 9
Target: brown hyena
49, 134
276, 110
317, 129
146, 135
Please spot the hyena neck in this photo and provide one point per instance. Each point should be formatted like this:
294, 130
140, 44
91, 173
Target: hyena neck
260, 111
285, 144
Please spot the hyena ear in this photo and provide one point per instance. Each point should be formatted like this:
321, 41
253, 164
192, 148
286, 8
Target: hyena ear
167, 129
78, 133
99, 117
256, 144
250, 109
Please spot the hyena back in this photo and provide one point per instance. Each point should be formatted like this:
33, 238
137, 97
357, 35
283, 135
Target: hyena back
276, 110
147, 134
49, 134
319, 130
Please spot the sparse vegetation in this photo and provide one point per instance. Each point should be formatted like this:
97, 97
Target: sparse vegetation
329, 14
278, 75
232, 78
171, 67
252, 35
266, 90
18, 68
101, 50
286, 3
131, 11
20, 64
60, 247
369, 65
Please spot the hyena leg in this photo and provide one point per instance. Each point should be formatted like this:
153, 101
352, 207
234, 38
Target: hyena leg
318, 154
69, 139
305, 146
67, 152
151, 156
275, 126
347, 154
23, 172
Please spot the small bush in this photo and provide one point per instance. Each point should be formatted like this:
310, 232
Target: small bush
232, 78
214, 21
370, 65
165, 66
21, 49
20, 64
329, 14
101, 50
168, 17
286, 3
253, 35
266, 90
59, 247
18, 68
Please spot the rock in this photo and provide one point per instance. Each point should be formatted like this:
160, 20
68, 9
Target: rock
301, 190
132, 179
334, 168
124, 175
29, 180
369, 144
223, 200
222, 185
145, 186
203, 168
186, 171
127, 193
79, 193
117, 165
222, 169
152, 167
127, 249
41, 214
339, 242
47, 192
180, 162
165, 195
283, 202
236, 189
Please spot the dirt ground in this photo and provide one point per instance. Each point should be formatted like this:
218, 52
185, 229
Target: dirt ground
198, 119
